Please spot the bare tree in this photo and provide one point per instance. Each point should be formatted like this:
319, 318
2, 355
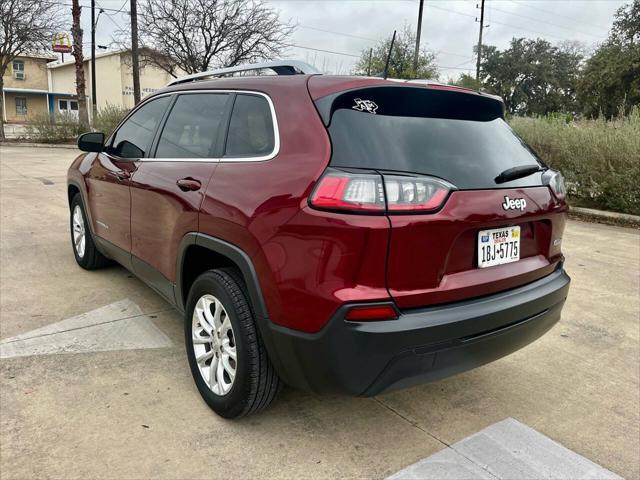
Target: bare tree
26, 26
196, 35
76, 32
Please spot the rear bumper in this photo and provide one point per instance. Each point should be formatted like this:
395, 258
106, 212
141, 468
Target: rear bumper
422, 345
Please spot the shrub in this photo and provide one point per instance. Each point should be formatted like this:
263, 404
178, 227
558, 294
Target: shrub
600, 159
108, 118
57, 128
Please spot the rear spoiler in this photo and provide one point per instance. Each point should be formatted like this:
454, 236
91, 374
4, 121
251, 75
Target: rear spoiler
444, 86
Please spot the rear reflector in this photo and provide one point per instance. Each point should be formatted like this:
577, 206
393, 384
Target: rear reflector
372, 313
376, 193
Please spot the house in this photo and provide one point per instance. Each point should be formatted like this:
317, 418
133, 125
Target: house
114, 80
26, 91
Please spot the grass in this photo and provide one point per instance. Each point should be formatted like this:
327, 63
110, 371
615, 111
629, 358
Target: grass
600, 159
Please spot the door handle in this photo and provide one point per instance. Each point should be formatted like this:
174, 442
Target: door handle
188, 184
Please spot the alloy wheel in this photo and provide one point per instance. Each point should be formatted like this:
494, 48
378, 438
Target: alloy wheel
214, 344
79, 236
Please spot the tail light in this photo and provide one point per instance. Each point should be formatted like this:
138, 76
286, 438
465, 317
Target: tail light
375, 193
555, 181
338, 190
423, 194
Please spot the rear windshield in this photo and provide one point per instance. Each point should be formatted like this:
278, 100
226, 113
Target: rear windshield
456, 136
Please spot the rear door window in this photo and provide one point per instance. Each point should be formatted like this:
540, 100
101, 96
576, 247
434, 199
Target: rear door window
134, 137
193, 125
456, 136
251, 130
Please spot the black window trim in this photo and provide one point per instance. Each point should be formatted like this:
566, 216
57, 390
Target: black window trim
110, 140
224, 156
225, 121
217, 146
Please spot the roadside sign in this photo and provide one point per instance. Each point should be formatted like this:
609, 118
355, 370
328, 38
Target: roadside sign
61, 43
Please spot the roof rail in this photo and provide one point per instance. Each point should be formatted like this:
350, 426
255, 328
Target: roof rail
280, 67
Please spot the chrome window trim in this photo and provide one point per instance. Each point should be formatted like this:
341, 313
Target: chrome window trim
262, 158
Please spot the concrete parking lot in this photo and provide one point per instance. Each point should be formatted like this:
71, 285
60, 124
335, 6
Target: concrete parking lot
135, 412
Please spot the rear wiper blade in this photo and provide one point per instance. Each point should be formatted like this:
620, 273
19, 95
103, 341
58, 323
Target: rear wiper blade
517, 172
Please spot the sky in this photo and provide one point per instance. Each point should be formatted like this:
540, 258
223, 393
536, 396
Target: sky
449, 28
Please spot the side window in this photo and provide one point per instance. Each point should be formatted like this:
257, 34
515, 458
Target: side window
251, 128
134, 137
192, 126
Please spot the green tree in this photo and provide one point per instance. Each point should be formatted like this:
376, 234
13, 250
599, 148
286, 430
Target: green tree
533, 77
401, 62
611, 77
466, 81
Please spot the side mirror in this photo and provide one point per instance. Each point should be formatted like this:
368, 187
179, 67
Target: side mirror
91, 142
126, 149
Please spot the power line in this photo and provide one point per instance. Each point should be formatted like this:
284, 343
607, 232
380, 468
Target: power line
121, 8
110, 17
322, 50
333, 32
521, 4
438, 52
452, 11
543, 21
89, 6
306, 27
526, 29
456, 68
493, 21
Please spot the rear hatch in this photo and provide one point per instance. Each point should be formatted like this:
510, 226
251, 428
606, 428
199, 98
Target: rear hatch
469, 204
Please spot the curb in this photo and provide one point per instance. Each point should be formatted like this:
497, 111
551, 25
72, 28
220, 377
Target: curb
69, 146
608, 218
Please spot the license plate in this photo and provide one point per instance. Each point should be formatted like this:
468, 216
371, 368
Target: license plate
498, 246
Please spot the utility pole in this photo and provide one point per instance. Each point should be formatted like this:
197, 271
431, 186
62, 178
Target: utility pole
386, 65
79, 64
94, 109
134, 53
369, 63
480, 41
416, 54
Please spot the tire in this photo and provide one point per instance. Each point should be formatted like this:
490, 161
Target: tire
255, 383
88, 257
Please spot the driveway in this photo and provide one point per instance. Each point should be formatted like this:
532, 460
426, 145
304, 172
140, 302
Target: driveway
132, 410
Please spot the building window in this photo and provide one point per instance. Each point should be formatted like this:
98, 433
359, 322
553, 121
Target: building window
18, 69
21, 106
68, 105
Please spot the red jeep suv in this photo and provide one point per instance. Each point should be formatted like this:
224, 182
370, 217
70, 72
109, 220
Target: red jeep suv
332, 233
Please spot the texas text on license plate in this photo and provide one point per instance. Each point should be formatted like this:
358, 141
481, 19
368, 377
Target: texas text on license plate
498, 246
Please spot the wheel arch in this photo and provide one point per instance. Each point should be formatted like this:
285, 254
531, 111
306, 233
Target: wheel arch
72, 191
199, 252
210, 252
74, 188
